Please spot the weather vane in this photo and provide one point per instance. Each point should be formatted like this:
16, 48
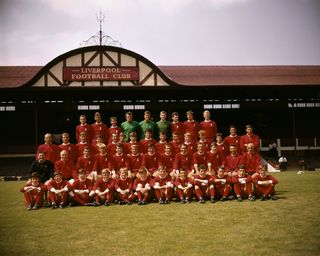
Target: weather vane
100, 38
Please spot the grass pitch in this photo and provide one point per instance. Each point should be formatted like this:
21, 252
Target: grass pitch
288, 226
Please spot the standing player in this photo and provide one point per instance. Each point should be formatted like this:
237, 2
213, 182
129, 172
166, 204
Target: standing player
84, 127
215, 160
99, 128
147, 123
200, 157
82, 144
209, 126
233, 139
151, 160
183, 160
70, 148
250, 137
148, 139
86, 163
113, 129
177, 126
102, 161
191, 126
134, 161
51, 150
163, 125
130, 126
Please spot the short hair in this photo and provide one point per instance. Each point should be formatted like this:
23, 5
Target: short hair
190, 112
113, 118
174, 114
147, 112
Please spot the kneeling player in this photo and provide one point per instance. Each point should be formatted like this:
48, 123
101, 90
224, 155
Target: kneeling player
33, 192
202, 187
58, 191
264, 185
242, 184
184, 187
163, 186
221, 183
82, 193
104, 188
142, 186
123, 186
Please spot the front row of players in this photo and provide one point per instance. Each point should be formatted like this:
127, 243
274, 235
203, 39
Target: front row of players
144, 188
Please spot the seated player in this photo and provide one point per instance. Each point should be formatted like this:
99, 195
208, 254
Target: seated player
123, 187
44, 168
242, 185
264, 185
163, 186
142, 187
83, 193
58, 191
232, 160
251, 160
202, 188
104, 188
65, 166
33, 192
222, 185
184, 187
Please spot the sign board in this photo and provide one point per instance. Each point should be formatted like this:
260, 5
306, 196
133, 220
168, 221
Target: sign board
101, 73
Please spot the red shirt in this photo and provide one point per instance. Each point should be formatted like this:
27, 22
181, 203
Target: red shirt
183, 161
84, 128
102, 161
65, 168
100, 129
52, 152
193, 128
85, 163
210, 127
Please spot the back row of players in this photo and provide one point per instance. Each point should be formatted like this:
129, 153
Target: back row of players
117, 154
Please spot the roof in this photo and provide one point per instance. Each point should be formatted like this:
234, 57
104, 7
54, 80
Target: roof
16, 76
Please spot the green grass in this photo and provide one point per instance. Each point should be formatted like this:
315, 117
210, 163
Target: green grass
288, 226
